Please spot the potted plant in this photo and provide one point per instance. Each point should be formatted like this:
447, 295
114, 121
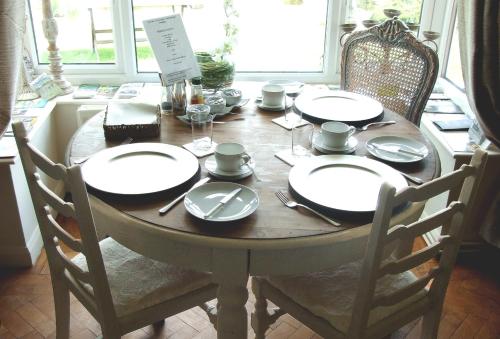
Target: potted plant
217, 71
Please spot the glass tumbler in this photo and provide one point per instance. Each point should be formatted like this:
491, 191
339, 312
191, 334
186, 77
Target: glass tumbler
302, 137
201, 129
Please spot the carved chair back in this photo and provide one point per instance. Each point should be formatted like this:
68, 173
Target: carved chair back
388, 63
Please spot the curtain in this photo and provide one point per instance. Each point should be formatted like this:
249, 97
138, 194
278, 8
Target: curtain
479, 38
479, 31
12, 13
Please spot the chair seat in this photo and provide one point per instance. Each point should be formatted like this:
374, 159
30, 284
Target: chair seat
137, 282
330, 294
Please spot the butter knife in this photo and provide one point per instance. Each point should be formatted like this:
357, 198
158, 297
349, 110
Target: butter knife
397, 149
221, 203
167, 207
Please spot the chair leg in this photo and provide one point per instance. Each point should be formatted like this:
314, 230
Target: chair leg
61, 303
259, 318
430, 323
159, 323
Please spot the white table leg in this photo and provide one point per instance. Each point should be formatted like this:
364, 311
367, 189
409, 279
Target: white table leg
231, 273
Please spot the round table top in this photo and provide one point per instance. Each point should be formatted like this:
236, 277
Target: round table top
262, 139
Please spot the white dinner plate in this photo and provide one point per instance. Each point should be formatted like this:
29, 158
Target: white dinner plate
243, 172
341, 106
139, 168
395, 141
260, 104
319, 144
202, 199
344, 183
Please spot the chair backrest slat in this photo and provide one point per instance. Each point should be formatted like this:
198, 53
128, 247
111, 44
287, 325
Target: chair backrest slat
55, 171
78, 273
413, 260
61, 206
62, 234
424, 225
389, 299
377, 265
427, 190
91, 284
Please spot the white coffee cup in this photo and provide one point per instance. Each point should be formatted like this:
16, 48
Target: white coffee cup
273, 95
336, 134
230, 156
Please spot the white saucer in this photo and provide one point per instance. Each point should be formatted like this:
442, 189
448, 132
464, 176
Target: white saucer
243, 172
349, 147
201, 199
260, 104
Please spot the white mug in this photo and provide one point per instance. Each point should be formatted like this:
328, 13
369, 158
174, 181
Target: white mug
336, 134
273, 95
230, 156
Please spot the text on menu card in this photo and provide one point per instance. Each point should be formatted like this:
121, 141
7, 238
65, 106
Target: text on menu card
171, 48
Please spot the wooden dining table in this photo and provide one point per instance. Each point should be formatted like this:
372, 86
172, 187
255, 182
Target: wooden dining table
274, 240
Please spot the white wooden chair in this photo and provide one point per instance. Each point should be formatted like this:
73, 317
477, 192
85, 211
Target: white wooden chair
375, 296
123, 290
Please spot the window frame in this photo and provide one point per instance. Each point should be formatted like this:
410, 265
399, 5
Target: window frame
125, 67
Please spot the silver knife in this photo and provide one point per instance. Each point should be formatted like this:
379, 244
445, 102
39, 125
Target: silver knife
221, 203
167, 207
397, 150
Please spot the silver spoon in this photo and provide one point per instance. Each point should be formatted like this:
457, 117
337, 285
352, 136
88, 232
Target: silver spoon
378, 123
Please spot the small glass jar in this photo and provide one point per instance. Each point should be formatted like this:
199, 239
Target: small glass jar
196, 91
166, 105
179, 98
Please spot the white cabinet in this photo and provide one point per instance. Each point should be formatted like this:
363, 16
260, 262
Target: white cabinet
454, 150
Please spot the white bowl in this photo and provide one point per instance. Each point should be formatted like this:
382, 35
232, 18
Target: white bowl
232, 96
216, 102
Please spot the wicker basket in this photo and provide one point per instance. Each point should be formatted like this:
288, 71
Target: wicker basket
137, 121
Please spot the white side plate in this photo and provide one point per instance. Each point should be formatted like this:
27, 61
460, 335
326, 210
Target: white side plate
395, 141
201, 199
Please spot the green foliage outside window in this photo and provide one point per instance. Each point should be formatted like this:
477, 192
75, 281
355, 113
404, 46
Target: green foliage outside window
410, 9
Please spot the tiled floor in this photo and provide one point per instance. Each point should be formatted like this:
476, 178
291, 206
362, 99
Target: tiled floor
472, 308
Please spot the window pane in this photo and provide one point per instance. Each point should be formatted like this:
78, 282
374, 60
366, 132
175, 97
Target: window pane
264, 35
360, 10
85, 31
454, 66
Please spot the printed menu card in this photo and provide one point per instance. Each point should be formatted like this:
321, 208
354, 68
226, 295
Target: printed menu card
171, 47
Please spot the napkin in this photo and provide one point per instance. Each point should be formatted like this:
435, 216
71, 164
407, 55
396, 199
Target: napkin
200, 153
288, 158
287, 124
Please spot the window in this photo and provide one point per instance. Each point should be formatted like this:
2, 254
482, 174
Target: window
454, 66
360, 10
104, 40
85, 34
255, 37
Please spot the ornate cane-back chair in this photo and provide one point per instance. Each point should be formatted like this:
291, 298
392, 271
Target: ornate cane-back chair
375, 296
387, 63
122, 289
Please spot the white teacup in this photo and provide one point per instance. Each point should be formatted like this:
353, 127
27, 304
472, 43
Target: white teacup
273, 95
335, 134
230, 156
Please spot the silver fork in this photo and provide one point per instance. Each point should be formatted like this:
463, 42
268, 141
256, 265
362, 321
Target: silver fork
293, 204
378, 123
